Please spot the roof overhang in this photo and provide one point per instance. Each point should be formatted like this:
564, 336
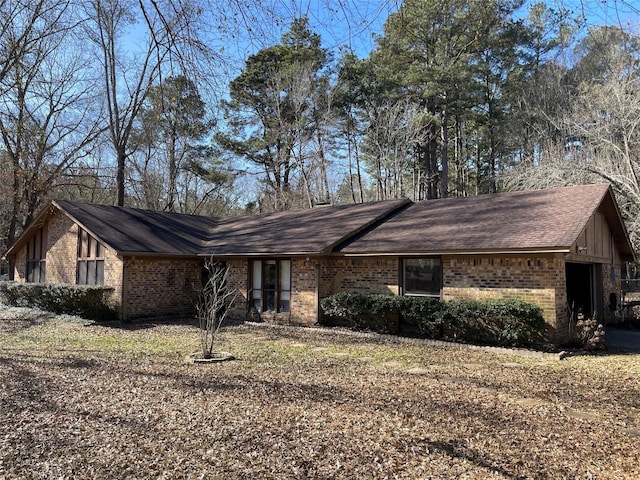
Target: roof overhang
261, 254
533, 251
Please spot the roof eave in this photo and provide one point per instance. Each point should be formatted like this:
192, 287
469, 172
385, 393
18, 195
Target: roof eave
500, 251
155, 254
263, 254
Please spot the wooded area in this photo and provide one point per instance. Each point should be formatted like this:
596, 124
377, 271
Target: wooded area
186, 106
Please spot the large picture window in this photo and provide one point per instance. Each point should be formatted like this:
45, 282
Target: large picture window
90, 260
36, 257
422, 276
271, 285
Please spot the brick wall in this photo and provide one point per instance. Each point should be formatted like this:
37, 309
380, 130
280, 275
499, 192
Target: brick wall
238, 279
160, 286
304, 291
20, 266
62, 249
611, 283
363, 275
535, 279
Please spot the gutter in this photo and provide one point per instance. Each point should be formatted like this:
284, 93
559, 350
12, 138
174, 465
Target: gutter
455, 252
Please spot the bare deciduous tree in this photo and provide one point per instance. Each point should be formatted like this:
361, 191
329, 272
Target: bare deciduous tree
599, 139
48, 116
394, 132
213, 304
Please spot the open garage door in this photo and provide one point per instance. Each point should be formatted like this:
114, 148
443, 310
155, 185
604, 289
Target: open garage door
583, 292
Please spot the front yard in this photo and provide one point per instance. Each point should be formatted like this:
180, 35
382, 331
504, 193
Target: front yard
79, 400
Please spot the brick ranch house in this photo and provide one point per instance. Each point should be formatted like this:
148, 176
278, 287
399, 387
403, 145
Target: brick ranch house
555, 247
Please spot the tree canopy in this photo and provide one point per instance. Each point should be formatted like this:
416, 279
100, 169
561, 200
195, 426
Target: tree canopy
185, 105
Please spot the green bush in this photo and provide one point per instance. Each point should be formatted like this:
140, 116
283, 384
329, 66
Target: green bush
361, 312
82, 300
423, 313
495, 322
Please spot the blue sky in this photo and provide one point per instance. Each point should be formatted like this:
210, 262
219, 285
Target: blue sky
354, 23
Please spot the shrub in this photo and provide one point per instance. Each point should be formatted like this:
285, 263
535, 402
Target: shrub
494, 322
361, 312
423, 312
82, 300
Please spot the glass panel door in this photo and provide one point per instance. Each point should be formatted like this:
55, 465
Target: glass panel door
270, 278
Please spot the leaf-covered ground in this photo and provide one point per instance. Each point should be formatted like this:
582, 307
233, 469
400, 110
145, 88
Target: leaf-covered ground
80, 400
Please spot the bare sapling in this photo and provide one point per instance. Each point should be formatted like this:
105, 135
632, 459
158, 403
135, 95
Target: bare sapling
213, 304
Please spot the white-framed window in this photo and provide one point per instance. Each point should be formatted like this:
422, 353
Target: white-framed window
422, 276
90, 269
271, 285
36, 256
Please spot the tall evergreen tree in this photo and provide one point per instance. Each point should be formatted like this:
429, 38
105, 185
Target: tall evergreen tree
273, 115
173, 121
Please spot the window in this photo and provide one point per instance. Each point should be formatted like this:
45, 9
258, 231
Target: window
422, 276
36, 255
271, 285
90, 260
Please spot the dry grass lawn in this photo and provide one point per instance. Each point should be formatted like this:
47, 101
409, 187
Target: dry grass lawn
79, 400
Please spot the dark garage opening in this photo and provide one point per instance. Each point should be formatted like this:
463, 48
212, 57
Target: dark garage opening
580, 288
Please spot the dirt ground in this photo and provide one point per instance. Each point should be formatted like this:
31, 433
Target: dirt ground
82, 400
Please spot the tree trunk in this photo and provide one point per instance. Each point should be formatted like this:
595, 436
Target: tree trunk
444, 148
122, 160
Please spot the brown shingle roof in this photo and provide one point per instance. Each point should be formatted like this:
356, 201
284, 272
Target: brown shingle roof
541, 220
529, 220
133, 230
311, 231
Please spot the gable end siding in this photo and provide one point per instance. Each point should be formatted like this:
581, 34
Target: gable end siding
62, 258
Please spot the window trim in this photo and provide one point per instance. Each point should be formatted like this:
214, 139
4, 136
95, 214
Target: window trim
277, 290
403, 274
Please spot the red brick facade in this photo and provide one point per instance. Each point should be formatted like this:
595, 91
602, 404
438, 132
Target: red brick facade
535, 278
155, 285
359, 274
160, 286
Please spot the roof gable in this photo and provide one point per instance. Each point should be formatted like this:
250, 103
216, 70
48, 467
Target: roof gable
534, 220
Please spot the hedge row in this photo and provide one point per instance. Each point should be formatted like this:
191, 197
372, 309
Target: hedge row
85, 301
496, 322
